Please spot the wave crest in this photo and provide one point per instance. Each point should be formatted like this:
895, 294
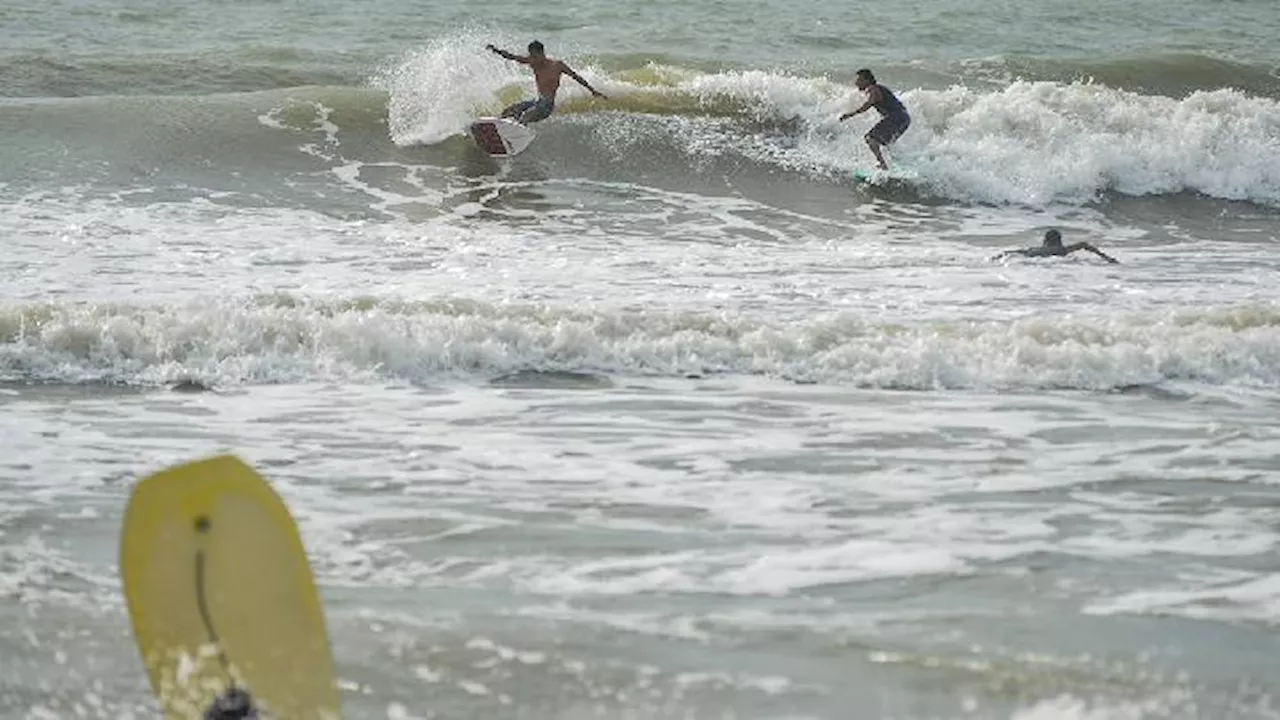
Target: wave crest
283, 338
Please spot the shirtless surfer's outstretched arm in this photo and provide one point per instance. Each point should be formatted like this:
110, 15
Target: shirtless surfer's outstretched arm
508, 55
564, 68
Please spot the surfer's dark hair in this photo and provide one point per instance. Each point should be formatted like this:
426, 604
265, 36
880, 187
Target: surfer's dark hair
870, 76
535, 48
1052, 237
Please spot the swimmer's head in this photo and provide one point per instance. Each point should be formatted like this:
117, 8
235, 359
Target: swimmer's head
1053, 238
535, 48
864, 78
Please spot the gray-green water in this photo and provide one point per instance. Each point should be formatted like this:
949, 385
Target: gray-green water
665, 418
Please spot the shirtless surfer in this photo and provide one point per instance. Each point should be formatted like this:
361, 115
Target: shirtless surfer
546, 74
1053, 247
894, 119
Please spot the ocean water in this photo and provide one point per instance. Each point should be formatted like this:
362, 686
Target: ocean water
666, 417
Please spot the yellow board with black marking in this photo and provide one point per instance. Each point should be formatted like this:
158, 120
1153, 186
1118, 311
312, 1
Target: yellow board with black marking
220, 594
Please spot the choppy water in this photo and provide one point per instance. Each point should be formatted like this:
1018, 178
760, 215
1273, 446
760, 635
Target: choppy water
665, 418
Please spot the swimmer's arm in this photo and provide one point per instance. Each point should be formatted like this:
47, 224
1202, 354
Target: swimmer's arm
873, 97
564, 68
1007, 253
510, 56
1094, 250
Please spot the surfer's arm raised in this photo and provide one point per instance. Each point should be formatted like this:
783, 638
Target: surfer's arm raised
507, 55
1086, 246
564, 68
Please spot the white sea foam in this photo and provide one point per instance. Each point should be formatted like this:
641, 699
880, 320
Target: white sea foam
1232, 597
285, 339
437, 90
1037, 143
739, 532
1031, 143
1068, 707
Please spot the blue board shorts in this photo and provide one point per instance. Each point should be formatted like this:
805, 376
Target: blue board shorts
531, 111
890, 128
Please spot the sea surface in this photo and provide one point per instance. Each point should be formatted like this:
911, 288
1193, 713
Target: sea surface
667, 417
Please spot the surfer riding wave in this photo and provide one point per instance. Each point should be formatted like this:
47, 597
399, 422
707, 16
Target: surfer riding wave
894, 118
546, 75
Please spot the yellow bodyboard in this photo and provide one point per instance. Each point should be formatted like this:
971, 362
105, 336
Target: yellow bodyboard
220, 594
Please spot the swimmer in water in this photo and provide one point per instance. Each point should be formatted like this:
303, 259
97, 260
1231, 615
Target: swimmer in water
1053, 247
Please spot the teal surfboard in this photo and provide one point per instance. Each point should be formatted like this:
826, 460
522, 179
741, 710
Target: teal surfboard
896, 174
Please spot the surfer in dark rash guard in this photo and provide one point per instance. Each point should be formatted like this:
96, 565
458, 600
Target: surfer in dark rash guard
894, 119
1053, 247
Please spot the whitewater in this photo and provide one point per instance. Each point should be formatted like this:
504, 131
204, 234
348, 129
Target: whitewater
666, 417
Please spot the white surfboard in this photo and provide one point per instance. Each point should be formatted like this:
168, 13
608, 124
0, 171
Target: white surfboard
500, 137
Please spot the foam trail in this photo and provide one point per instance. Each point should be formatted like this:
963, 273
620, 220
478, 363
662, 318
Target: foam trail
435, 92
1029, 143
1035, 143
